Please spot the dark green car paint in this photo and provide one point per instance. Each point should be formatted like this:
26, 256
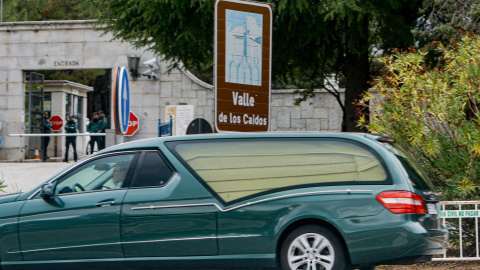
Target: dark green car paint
10, 246
82, 229
182, 224
156, 232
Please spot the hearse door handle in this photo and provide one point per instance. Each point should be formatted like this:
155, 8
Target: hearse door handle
103, 204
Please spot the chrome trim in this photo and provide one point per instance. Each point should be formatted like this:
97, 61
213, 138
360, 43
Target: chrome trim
194, 238
135, 242
348, 191
80, 246
80, 164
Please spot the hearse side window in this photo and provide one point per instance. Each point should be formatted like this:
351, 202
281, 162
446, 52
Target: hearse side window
239, 168
152, 171
102, 173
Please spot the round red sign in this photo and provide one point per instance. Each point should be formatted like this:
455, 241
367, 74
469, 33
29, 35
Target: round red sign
57, 122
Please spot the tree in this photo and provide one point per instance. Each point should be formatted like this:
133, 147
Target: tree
311, 39
445, 21
45, 10
441, 20
434, 113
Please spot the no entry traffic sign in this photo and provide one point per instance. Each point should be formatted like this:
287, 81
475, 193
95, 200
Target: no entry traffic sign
57, 122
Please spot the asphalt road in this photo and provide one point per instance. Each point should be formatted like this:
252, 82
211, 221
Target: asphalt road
21, 177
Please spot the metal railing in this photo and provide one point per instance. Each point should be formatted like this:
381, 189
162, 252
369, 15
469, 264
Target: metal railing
165, 129
461, 219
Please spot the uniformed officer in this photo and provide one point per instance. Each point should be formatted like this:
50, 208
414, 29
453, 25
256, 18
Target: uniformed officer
71, 127
47, 128
94, 127
103, 125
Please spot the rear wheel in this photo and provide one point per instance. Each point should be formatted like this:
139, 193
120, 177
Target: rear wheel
312, 248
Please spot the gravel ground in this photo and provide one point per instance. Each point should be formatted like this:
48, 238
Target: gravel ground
460, 265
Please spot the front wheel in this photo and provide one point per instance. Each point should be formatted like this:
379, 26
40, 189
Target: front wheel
312, 248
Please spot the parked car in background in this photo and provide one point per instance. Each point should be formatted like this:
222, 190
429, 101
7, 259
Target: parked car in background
253, 200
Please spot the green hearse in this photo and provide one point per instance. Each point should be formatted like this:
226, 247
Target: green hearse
254, 200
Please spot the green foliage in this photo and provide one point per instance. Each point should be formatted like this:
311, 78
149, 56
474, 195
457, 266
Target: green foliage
178, 30
442, 20
434, 113
2, 184
47, 10
445, 21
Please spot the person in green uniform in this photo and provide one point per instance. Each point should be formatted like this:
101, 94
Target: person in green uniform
47, 128
71, 127
94, 127
103, 125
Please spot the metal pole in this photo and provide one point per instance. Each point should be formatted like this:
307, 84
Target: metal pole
1, 11
30, 103
56, 150
159, 127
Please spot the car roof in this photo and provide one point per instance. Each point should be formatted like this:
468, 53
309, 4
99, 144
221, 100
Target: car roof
152, 143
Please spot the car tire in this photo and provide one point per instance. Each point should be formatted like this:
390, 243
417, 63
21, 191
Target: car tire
312, 247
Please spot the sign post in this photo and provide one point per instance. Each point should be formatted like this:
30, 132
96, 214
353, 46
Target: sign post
243, 52
57, 124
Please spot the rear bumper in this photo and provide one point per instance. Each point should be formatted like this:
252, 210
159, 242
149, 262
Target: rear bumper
404, 242
435, 244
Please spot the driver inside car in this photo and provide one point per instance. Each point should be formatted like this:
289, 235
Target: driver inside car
119, 173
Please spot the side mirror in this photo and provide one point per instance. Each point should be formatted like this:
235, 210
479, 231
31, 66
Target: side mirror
47, 191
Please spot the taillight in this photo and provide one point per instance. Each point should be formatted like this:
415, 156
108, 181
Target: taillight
402, 202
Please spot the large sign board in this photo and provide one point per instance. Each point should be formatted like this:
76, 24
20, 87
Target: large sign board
243, 49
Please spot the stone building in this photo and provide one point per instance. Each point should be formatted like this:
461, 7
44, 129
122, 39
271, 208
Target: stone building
58, 45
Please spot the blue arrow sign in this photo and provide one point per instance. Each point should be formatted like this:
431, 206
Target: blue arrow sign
123, 101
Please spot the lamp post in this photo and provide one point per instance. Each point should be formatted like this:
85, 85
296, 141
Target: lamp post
133, 62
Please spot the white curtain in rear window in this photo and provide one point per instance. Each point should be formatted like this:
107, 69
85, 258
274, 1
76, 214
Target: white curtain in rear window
240, 168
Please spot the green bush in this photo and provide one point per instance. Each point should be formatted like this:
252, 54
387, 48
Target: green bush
433, 113
2, 184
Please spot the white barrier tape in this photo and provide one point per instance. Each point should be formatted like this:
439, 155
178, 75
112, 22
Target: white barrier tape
56, 134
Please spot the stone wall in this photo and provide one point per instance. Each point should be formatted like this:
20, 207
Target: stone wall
320, 113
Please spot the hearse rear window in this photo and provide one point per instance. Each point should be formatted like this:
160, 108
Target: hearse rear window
240, 168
